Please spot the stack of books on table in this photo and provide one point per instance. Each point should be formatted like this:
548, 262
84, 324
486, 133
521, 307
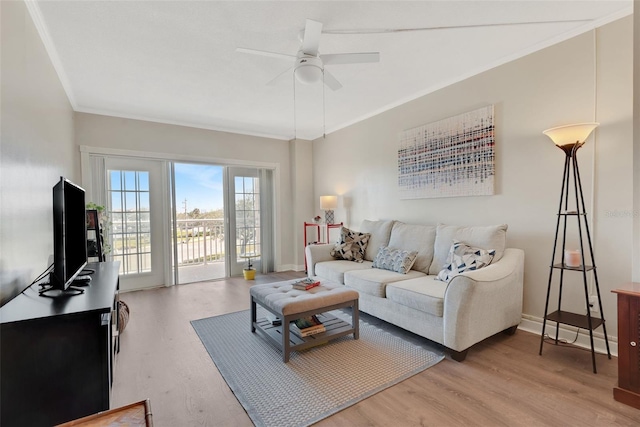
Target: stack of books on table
306, 284
306, 326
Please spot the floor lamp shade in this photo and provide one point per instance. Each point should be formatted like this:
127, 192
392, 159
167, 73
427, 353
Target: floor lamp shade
328, 204
570, 134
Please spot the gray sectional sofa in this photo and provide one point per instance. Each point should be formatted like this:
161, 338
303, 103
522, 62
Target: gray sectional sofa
472, 306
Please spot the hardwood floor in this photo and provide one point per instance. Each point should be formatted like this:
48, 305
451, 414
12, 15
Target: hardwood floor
503, 381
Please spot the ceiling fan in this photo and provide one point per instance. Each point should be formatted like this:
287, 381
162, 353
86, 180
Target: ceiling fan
308, 64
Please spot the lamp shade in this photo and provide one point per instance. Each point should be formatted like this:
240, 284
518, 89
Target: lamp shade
328, 203
570, 134
308, 73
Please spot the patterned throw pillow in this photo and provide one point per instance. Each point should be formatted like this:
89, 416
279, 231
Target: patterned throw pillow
351, 246
463, 257
394, 259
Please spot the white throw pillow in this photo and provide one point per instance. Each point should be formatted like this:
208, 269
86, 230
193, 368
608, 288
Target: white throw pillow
463, 257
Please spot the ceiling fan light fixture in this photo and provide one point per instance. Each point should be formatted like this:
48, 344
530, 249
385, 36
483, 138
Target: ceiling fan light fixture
308, 70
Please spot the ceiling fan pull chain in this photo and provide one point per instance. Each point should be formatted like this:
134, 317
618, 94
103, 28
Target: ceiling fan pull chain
295, 124
324, 110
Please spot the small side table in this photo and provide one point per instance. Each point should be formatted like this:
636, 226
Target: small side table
319, 235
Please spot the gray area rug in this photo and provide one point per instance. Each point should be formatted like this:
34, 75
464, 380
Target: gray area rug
316, 382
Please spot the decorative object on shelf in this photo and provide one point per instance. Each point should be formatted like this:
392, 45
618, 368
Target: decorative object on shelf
572, 258
104, 225
249, 272
94, 236
448, 158
317, 219
569, 139
328, 204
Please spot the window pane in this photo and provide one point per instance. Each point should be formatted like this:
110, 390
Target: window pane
238, 181
114, 178
240, 219
130, 201
145, 262
129, 180
249, 218
116, 202
248, 185
143, 181
144, 201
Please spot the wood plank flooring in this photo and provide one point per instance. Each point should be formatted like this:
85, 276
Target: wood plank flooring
503, 381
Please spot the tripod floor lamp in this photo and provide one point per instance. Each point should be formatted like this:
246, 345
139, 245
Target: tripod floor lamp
569, 139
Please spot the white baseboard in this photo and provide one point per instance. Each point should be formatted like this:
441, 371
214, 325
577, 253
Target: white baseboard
534, 325
289, 267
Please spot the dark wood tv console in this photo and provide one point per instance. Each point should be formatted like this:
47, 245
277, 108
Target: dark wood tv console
57, 352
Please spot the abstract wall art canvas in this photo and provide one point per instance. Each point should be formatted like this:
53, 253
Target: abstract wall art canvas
449, 158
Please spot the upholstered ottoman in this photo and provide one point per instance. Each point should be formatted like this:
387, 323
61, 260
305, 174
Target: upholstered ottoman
290, 304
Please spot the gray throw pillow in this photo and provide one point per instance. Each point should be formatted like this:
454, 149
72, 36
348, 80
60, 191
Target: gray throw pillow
394, 259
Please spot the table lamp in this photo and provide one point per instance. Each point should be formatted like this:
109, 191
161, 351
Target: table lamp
328, 204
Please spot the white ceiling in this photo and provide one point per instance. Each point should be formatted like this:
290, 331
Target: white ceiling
175, 61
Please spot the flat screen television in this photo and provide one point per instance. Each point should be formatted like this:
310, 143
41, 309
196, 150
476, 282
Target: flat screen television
69, 234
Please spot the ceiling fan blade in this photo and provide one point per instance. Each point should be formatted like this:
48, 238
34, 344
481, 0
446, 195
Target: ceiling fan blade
273, 81
331, 81
350, 58
311, 40
265, 53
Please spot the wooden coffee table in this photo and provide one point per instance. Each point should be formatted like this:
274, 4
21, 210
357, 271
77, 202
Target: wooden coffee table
289, 304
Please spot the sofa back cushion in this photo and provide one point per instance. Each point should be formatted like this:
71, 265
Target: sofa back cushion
419, 238
485, 237
380, 232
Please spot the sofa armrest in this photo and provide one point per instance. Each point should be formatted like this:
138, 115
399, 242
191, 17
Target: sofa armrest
315, 254
481, 303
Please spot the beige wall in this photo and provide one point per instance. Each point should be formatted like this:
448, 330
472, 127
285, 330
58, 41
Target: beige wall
549, 88
36, 148
203, 145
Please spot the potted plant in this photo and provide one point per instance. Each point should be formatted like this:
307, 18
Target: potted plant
249, 272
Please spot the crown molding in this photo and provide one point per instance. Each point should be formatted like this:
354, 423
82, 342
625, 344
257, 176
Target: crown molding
43, 31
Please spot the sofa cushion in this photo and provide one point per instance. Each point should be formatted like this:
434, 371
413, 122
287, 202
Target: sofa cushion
463, 257
394, 259
351, 246
419, 238
485, 237
422, 293
334, 270
374, 280
380, 232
